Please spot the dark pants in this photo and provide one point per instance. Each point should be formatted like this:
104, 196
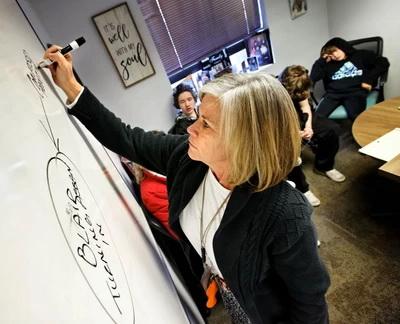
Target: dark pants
324, 144
354, 104
298, 177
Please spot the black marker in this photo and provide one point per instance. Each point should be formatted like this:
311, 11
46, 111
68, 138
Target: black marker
65, 50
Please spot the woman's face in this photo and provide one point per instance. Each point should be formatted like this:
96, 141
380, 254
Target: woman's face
204, 139
186, 103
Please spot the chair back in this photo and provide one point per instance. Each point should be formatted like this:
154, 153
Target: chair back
318, 90
375, 45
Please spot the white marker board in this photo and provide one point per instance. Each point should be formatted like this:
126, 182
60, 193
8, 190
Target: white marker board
75, 246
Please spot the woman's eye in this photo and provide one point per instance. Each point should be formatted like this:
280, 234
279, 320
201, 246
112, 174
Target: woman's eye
205, 125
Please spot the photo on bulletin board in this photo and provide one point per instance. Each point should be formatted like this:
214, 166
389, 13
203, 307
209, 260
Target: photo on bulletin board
297, 8
258, 46
252, 63
124, 44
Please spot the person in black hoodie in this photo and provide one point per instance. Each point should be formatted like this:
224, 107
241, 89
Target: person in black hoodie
348, 75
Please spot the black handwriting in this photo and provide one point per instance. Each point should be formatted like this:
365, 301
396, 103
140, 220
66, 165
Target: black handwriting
122, 34
139, 56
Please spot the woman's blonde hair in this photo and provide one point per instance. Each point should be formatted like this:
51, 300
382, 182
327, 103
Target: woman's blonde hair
259, 128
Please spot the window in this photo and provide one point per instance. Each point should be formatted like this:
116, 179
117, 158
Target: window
185, 32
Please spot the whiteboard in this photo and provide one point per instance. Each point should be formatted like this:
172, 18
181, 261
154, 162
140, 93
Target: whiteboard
75, 245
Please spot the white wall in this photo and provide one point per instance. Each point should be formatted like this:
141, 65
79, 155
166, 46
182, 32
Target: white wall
365, 18
296, 41
39, 28
147, 104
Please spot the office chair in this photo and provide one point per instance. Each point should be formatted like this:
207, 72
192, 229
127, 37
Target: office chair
373, 44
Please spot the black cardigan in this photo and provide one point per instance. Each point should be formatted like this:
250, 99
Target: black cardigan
265, 246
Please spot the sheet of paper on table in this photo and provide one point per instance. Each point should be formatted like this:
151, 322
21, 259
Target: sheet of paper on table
385, 147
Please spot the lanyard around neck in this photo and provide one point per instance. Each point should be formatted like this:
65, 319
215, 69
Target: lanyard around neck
203, 234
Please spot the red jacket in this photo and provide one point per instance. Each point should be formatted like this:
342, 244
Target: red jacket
153, 192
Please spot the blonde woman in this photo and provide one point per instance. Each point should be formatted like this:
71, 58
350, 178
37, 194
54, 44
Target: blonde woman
251, 231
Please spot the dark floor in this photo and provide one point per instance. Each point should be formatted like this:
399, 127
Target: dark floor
358, 224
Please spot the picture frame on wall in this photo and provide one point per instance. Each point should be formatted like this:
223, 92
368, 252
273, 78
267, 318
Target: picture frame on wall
297, 8
124, 44
259, 46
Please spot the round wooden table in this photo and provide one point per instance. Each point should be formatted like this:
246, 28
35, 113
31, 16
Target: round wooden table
377, 121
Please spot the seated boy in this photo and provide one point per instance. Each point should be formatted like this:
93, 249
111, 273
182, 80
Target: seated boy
348, 75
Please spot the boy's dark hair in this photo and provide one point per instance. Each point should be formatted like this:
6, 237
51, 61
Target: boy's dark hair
337, 43
296, 81
180, 88
328, 50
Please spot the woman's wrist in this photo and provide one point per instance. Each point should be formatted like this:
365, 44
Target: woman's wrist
73, 90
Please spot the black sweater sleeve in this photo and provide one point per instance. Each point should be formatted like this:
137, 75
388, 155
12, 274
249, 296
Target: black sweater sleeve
150, 150
296, 261
375, 66
318, 70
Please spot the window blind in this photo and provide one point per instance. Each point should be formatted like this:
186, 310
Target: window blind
185, 31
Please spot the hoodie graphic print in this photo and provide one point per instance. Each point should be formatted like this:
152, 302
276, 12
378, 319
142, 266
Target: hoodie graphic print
348, 70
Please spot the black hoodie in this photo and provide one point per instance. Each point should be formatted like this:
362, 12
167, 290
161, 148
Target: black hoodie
345, 77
